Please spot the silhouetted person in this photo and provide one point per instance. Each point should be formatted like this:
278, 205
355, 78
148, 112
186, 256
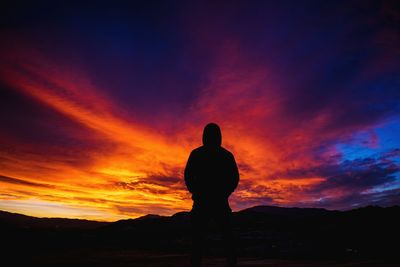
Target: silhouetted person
211, 175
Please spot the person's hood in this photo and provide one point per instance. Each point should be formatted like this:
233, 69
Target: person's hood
212, 135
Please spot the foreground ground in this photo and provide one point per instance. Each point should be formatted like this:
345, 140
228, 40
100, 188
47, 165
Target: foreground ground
265, 236
129, 258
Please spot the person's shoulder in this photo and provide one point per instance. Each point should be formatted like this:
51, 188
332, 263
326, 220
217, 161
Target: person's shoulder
197, 150
226, 152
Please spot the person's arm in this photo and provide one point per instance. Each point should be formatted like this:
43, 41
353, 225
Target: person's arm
190, 173
234, 175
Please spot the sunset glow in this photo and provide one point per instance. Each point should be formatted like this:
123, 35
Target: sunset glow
101, 108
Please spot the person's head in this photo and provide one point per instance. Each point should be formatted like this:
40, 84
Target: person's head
212, 135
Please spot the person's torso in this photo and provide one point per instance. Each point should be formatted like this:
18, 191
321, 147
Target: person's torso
212, 174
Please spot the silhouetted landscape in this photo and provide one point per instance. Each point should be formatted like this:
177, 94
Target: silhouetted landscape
266, 236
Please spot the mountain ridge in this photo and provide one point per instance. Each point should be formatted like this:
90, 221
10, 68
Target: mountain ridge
18, 218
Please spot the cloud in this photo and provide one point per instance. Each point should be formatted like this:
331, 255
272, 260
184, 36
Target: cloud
359, 175
11, 180
385, 198
358, 182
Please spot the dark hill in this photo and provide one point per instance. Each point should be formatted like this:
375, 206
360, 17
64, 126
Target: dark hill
281, 211
15, 220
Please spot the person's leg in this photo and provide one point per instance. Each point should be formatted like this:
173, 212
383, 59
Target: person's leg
223, 221
198, 223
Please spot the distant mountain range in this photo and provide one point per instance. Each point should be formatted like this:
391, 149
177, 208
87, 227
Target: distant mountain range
262, 231
16, 220
25, 221
8, 219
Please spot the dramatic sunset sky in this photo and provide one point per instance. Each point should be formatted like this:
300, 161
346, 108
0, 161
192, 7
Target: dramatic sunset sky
101, 104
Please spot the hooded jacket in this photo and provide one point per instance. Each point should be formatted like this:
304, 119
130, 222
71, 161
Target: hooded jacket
211, 173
